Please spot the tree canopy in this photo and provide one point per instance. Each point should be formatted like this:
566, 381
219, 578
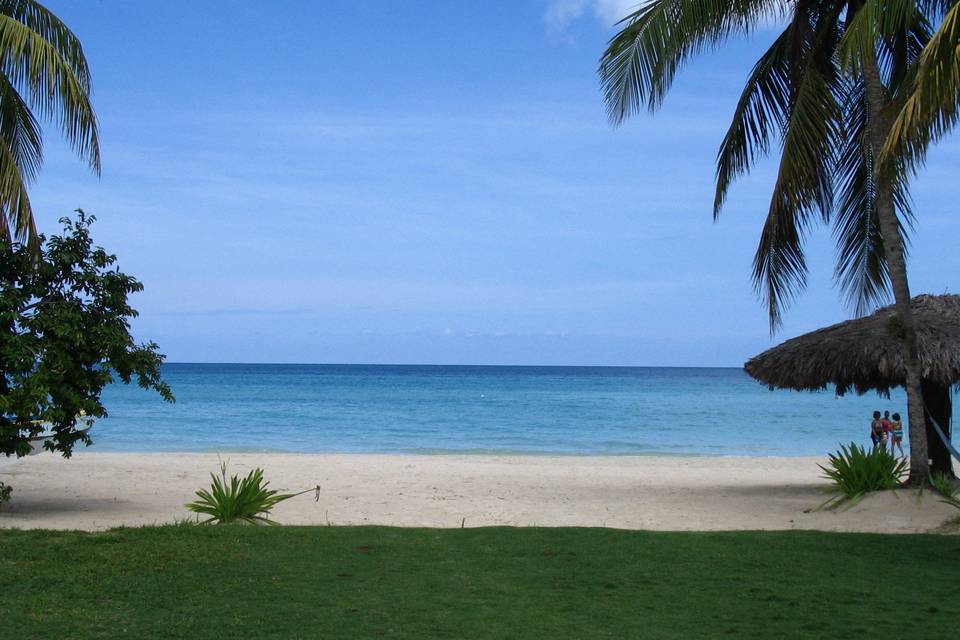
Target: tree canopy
65, 335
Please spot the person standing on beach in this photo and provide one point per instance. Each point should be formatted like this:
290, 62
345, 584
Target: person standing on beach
876, 429
885, 427
896, 434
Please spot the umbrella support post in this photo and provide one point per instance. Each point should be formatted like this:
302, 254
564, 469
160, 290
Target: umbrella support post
938, 406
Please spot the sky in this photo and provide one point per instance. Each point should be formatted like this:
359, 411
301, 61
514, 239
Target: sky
429, 182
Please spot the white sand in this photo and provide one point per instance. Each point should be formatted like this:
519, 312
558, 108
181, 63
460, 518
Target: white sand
94, 491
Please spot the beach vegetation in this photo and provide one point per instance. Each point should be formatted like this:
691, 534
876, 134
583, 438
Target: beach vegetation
237, 500
43, 74
371, 582
855, 471
947, 487
5, 492
823, 94
64, 336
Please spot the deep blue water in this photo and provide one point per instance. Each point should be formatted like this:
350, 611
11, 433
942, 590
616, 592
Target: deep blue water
440, 409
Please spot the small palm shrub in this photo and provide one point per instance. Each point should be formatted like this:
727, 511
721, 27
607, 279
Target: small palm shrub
855, 471
5, 491
239, 500
947, 488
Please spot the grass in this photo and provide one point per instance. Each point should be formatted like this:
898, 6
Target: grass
365, 582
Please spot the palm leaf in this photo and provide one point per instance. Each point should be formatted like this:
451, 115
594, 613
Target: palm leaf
761, 113
804, 187
806, 89
932, 103
892, 31
48, 26
14, 203
44, 71
861, 264
35, 65
20, 158
640, 62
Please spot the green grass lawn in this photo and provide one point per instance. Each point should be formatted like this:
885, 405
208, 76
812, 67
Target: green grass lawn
366, 582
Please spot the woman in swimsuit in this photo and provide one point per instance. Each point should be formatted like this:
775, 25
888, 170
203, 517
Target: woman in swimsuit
896, 434
876, 430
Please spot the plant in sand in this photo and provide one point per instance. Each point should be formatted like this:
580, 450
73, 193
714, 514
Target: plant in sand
855, 471
244, 501
947, 488
5, 491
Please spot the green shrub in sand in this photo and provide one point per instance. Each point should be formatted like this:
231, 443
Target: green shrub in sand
240, 500
855, 471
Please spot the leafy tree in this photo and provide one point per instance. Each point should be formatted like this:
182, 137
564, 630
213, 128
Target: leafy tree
823, 91
65, 335
44, 73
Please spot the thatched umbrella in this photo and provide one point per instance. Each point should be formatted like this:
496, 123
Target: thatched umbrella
865, 354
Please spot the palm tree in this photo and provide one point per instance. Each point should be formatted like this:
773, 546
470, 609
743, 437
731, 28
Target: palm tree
42, 71
823, 89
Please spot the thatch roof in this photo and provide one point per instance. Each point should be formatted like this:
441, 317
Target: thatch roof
863, 354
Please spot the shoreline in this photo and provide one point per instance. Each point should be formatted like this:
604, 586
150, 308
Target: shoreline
97, 491
430, 453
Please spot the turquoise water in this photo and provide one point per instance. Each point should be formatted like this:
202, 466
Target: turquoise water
443, 409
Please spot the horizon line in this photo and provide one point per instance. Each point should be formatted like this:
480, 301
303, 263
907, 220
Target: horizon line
434, 364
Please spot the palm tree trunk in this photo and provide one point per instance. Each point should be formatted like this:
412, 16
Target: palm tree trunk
879, 126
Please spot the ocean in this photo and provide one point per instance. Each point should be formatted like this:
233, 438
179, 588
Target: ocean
480, 409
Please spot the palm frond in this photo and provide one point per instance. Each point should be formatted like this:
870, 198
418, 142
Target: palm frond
15, 211
935, 10
43, 71
804, 187
861, 268
19, 160
37, 67
640, 62
761, 113
48, 26
20, 130
931, 107
893, 32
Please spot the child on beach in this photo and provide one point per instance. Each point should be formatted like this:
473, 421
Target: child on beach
896, 434
876, 429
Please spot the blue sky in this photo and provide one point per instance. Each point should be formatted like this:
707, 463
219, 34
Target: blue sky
429, 182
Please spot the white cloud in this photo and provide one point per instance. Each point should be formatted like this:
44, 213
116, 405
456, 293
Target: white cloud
612, 11
560, 13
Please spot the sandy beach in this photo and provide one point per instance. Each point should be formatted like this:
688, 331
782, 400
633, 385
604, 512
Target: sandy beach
96, 491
